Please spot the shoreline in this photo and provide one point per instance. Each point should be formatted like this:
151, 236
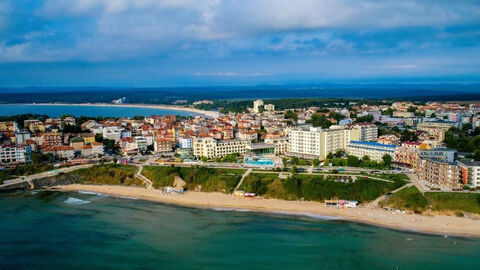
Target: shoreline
211, 114
437, 224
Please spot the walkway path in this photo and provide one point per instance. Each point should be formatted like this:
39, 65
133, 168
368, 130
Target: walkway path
29, 178
374, 204
147, 181
243, 177
354, 176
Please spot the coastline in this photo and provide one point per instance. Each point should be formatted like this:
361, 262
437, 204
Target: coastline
210, 114
437, 224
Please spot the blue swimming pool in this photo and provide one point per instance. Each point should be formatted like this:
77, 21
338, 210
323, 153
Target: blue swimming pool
259, 162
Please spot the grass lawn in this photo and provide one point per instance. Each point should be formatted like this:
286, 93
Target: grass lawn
197, 178
407, 199
462, 202
110, 174
316, 187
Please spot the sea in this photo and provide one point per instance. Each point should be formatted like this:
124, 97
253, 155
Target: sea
90, 110
82, 230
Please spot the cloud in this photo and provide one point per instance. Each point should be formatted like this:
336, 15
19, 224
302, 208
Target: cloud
266, 36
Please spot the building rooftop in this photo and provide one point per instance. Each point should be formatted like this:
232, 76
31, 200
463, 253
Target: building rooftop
374, 144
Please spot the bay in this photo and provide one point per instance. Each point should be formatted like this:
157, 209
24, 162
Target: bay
71, 230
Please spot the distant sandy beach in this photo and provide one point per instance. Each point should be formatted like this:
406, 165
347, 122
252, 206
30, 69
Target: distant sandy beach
438, 224
211, 114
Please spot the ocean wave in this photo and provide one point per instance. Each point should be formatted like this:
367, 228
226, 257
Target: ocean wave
309, 215
126, 197
75, 201
230, 209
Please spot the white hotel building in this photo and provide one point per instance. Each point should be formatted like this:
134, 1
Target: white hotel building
316, 143
374, 150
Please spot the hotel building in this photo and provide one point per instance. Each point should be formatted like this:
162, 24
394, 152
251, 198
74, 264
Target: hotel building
374, 150
438, 174
211, 148
470, 173
316, 143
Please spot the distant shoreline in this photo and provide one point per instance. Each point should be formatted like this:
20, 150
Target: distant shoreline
211, 114
436, 224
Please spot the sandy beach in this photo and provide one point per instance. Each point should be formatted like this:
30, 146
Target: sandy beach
438, 224
210, 114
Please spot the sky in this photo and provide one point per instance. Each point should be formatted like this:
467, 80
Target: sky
147, 43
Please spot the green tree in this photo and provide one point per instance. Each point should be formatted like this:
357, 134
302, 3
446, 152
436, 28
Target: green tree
316, 162
319, 120
387, 160
364, 119
291, 115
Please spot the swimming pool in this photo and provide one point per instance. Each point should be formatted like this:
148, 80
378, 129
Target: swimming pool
259, 162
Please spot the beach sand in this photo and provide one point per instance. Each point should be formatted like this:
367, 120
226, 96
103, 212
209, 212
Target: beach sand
437, 224
211, 114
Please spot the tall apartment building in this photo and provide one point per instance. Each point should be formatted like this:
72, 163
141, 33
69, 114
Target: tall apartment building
211, 148
374, 150
438, 174
366, 132
257, 104
406, 155
269, 107
316, 143
435, 129
470, 173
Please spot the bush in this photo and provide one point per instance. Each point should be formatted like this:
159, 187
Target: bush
110, 174
408, 199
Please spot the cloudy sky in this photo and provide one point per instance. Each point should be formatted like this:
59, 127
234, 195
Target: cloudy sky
243, 42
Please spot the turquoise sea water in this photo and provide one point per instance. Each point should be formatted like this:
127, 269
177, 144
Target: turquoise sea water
53, 230
92, 111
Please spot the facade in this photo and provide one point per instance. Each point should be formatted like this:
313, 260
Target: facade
470, 173
389, 139
365, 132
22, 136
438, 174
374, 150
211, 148
435, 129
185, 142
162, 145
142, 143
402, 114
444, 154
281, 144
15, 154
269, 107
257, 104
51, 139
406, 155
247, 135
112, 133
316, 143
260, 149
